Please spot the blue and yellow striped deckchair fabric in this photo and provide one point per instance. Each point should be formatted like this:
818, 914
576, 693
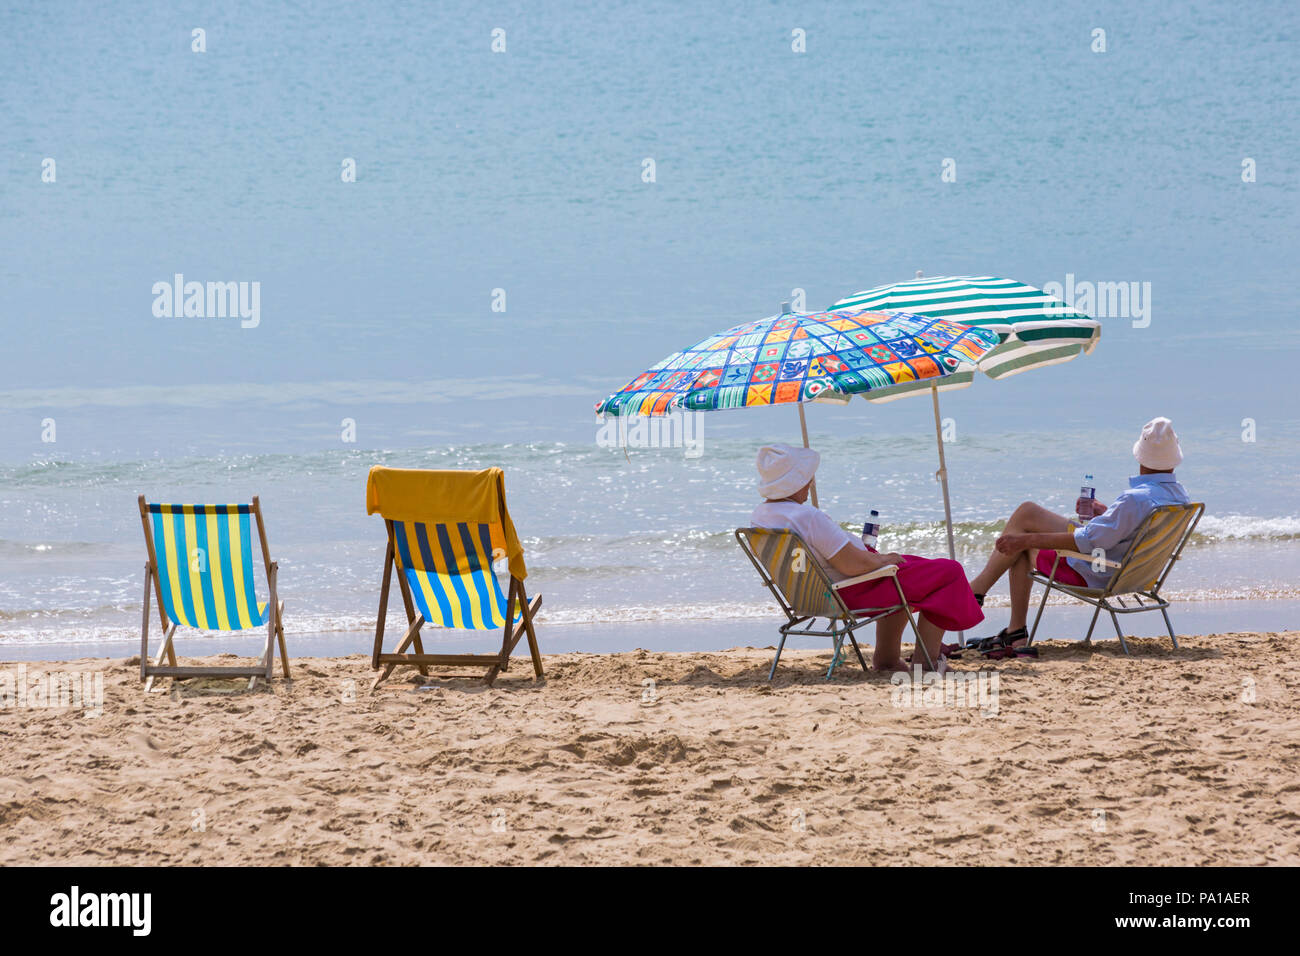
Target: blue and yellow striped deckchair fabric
449, 570
205, 565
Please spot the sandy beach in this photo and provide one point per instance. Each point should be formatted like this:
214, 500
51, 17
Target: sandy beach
1187, 757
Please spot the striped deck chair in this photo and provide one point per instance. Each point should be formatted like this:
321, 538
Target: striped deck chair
445, 528
201, 571
805, 593
1155, 549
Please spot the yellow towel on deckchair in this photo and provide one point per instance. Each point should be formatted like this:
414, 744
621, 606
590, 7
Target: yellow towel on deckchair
447, 497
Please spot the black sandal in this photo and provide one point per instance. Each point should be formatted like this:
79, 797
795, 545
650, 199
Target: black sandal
1003, 638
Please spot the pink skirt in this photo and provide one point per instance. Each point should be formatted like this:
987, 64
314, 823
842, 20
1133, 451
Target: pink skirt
937, 587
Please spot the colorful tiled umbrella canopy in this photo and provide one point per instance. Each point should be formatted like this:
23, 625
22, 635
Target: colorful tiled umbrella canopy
803, 357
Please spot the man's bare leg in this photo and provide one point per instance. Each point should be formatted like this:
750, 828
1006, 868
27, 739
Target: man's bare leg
1021, 583
1029, 518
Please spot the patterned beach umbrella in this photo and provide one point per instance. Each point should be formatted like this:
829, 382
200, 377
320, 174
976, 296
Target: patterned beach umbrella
1034, 328
803, 357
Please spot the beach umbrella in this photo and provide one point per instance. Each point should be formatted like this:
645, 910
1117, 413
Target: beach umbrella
795, 358
1034, 329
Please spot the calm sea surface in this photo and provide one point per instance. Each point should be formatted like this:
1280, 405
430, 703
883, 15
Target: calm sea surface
517, 177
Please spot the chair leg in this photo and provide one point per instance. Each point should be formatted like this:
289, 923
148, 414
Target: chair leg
411, 634
268, 656
144, 626
916, 635
1087, 638
861, 660
916, 632
1047, 589
776, 660
1169, 625
1114, 618
837, 646
284, 651
164, 651
533, 649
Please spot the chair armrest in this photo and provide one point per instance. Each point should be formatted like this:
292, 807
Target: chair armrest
1089, 558
888, 571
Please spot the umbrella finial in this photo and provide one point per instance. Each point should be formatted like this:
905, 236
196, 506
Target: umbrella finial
785, 308
918, 273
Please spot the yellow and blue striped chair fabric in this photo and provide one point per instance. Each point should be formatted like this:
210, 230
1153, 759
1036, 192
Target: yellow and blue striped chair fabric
1150, 552
797, 574
449, 570
205, 565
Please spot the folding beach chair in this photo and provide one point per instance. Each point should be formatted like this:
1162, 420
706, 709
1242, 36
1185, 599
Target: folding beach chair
201, 571
805, 593
445, 528
1155, 550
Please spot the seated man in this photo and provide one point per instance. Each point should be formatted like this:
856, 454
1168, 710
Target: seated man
936, 588
1033, 534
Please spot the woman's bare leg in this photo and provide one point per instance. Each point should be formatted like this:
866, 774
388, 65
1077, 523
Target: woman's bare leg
889, 641
932, 636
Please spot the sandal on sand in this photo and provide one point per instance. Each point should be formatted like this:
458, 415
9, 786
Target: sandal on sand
1002, 638
1001, 653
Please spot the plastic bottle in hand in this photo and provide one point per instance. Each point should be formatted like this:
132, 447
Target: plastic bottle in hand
1087, 495
871, 531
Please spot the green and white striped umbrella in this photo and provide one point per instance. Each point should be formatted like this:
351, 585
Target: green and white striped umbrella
1035, 329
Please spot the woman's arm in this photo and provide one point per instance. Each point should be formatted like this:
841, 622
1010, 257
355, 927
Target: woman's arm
850, 561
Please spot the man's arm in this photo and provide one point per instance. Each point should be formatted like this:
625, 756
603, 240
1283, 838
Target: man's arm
1056, 541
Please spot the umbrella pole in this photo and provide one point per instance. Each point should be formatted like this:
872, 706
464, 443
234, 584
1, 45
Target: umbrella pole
803, 426
942, 473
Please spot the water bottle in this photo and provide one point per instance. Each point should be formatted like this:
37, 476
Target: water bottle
871, 531
1087, 495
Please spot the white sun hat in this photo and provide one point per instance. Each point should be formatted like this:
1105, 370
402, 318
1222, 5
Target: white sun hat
1158, 447
784, 469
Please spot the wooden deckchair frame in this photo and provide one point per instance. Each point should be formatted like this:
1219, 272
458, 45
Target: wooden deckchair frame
495, 663
845, 621
1108, 598
274, 625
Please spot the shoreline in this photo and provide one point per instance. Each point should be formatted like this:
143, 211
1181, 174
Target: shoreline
1060, 622
1089, 757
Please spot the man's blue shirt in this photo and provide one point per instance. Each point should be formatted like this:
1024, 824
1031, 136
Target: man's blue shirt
1113, 531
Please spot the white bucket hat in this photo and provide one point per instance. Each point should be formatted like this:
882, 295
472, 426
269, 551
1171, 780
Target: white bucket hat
1158, 447
784, 469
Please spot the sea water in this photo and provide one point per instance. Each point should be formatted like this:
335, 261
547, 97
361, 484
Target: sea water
527, 230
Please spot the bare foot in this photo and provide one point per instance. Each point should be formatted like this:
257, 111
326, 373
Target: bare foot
895, 667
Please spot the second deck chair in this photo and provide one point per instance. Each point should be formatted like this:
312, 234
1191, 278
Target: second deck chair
805, 593
1155, 549
445, 528
201, 571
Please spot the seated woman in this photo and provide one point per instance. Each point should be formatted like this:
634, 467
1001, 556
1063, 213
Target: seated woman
936, 587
